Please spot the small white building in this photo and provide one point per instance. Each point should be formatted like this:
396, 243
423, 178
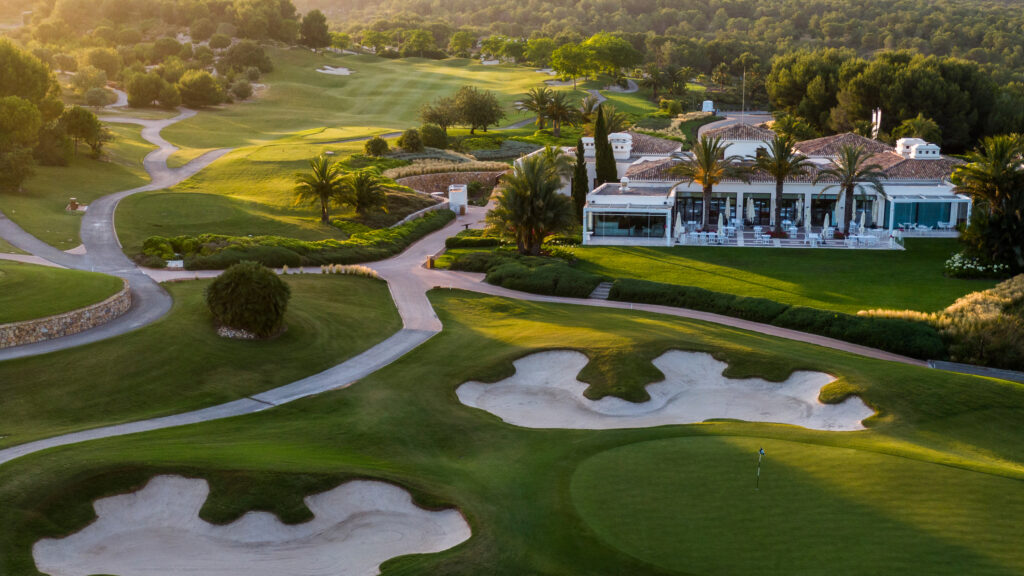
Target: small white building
458, 197
624, 215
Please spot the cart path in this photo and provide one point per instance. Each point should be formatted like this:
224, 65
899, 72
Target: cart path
103, 251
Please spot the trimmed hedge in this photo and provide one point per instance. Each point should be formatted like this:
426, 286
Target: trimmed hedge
215, 252
909, 338
533, 274
471, 242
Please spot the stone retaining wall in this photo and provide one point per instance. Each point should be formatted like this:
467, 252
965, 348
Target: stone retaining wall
439, 182
68, 323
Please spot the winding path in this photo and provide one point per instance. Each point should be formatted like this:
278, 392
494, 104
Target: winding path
103, 251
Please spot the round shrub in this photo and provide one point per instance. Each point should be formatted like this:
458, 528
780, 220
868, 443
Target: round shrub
376, 146
96, 97
433, 136
250, 297
241, 89
410, 141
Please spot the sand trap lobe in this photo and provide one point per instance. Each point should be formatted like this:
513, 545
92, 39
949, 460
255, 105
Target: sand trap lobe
544, 393
157, 531
334, 71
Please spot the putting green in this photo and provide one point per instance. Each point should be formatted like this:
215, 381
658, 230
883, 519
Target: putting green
689, 504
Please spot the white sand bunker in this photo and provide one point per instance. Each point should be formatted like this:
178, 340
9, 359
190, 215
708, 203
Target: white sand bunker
157, 530
544, 393
334, 71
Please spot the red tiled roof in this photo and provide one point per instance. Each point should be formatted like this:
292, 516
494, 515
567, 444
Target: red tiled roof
830, 145
653, 170
647, 144
740, 131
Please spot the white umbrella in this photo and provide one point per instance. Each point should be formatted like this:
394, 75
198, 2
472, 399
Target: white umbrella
679, 224
728, 208
863, 214
825, 225
807, 218
721, 221
799, 212
750, 209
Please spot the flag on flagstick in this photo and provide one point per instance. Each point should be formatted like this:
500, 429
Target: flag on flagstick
757, 481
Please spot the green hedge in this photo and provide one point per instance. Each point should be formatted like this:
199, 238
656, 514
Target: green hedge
471, 242
529, 273
215, 252
909, 338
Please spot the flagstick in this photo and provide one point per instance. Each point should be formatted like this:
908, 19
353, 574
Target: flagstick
757, 481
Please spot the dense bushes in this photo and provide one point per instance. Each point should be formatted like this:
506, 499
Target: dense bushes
214, 251
249, 297
529, 273
906, 337
376, 146
472, 239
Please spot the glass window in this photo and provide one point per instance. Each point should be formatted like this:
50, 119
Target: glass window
629, 225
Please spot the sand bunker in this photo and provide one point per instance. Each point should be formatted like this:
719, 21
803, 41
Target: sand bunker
339, 71
157, 531
544, 393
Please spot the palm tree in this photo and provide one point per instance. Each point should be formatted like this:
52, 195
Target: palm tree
655, 78
681, 79
557, 161
852, 172
529, 207
559, 111
994, 178
781, 161
615, 120
536, 100
366, 191
322, 185
919, 127
588, 108
708, 166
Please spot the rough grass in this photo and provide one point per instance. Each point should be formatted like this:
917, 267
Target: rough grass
30, 291
179, 363
941, 440
842, 280
39, 209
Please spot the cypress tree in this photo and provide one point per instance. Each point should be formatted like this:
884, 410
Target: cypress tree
579, 180
604, 161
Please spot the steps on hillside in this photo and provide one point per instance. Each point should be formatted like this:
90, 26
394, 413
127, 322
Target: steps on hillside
602, 291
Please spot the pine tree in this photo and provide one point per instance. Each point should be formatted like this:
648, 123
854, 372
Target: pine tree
579, 180
604, 161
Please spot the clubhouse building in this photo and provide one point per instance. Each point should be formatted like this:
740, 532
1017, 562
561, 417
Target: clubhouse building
649, 206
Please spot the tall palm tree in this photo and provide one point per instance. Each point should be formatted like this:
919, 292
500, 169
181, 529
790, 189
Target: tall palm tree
994, 178
781, 161
559, 111
852, 173
708, 166
557, 161
529, 207
321, 185
365, 190
536, 100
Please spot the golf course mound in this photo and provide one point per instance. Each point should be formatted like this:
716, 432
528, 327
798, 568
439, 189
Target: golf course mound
157, 531
544, 393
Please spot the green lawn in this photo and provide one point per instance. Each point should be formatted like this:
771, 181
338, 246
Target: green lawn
39, 209
843, 280
380, 92
7, 248
930, 487
179, 363
248, 191
30, 291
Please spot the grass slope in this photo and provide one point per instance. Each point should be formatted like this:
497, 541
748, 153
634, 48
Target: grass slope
380, 92
842, 280
249, 191
39, 209
29, 291
179, 363
940, 439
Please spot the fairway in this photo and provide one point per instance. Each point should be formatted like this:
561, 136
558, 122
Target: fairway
28, 291
932, 477
39, 209
841, 280
179, 363
380, 92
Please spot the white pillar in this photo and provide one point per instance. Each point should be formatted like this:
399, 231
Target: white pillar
771, 214
668, 228
739, 209
807, 206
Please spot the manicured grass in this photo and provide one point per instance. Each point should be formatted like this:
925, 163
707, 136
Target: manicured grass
179, 363
380, 92
940, 439
30, 291
843, 280
39, 209
7, 248
249, 191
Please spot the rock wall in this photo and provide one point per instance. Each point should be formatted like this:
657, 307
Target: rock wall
68, 323
439, 182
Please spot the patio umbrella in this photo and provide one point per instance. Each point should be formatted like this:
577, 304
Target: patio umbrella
721, 221
679, 224
728, 208
825, 225
877, 216
799, 210
750, 209
863, 215
807, 218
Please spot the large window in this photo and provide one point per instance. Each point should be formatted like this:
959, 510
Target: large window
632, 225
